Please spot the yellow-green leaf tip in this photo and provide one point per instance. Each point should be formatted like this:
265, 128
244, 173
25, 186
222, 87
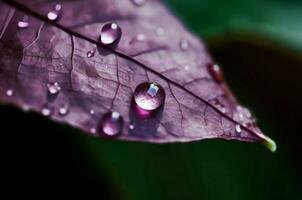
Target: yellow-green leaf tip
270, 144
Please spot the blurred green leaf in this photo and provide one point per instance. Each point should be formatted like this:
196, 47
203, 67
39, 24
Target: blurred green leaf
277, 19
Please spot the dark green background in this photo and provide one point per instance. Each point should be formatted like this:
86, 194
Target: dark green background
259, 45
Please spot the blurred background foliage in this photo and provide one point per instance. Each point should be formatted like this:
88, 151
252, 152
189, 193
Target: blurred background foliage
259, 46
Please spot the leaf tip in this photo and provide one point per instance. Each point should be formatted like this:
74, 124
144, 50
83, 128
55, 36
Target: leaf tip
270, 144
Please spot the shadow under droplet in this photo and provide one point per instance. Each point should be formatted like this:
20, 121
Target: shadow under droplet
51, 97
145, 122
105, 50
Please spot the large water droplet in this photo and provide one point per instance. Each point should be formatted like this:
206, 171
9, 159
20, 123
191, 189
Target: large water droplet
110, 33
139, 2
54, 14
184, 44
9, 92
63, 110
111, 124
215, 72
46, 111
90, 53
54, 88
24, 22
149, 96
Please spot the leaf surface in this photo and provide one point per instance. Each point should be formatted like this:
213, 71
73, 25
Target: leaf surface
198, 105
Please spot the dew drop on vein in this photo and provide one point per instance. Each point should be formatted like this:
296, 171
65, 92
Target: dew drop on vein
54, 14
149, 96
110, 33
139, 2
23, 23
111, 124
54, 88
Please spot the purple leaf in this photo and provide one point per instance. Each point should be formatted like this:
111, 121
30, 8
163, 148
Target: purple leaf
80, 62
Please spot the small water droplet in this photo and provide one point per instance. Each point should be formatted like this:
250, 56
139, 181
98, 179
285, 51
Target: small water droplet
54, 14
219, 105
90, 53
58, 7
93, 131
131, 126
187, 67
25, 108
63, 110
110, 33
160, 31
9, 92
46, 111
139, 2
92, 112
238, 128
215, 72
184, 44
54, 88
106, 66
24, 22
140, 37
111, 124
149, 96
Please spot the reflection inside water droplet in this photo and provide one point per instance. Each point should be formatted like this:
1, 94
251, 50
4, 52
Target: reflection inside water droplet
149, 96
139, 2
110, 33
131, 127
111, 124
